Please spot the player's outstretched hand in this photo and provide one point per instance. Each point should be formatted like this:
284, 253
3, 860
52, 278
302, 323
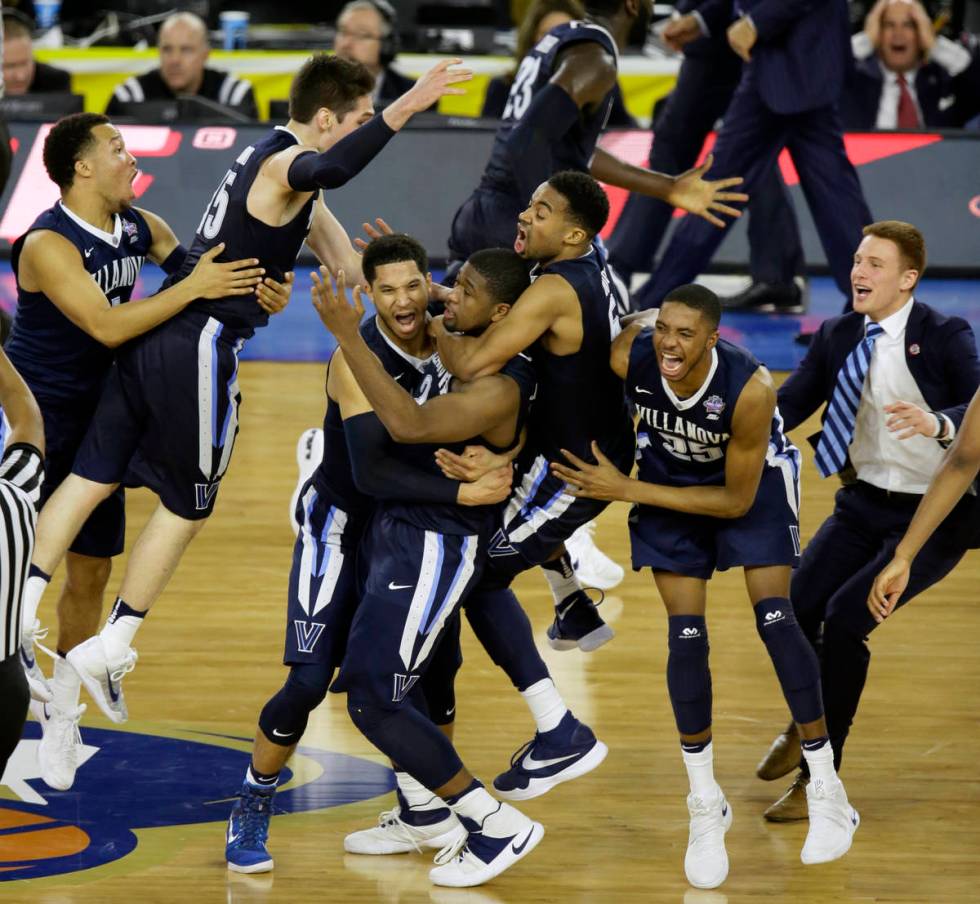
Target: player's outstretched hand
272, 295
697, 195
888, 587
602, 480
470, 464
491, 488
373, 231
213, 280
342, 318
441, 80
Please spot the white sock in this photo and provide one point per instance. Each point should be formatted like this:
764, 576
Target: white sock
120, 630
545, 703
33, 591
561, 577
418, 796
66, 686
821, 762
701, 772
476, 805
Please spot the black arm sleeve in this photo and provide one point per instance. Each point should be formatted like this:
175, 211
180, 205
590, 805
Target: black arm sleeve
379, 475
174, 260
339, 164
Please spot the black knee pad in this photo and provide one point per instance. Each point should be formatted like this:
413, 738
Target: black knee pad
688, 675
792, 657
283, 719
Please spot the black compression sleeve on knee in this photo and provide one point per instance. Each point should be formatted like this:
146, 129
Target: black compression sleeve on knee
688, 676
339, 164
502, 626
283, 719
533, 139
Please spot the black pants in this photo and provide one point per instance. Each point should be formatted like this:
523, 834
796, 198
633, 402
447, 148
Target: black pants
836, 572
14, 697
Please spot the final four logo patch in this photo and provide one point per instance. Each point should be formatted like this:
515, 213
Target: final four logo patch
714, 405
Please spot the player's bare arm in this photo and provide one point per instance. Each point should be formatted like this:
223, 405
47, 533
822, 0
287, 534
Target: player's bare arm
952, 480
744, 459
329, 241
19, 407
51, 264
619, 352
548, 310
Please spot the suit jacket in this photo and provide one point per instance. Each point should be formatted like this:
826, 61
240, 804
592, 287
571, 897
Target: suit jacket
940, 352
50, 80
946, 101
393, 85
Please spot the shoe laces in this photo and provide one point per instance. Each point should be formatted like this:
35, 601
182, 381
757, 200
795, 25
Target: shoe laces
126, 666
518, 754
391, 821
33, 636
256, 810
706, 817
63, 726
455, 850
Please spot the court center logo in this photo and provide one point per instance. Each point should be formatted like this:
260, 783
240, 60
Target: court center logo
128, 781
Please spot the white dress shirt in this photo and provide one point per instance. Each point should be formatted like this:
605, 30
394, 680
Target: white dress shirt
878, 456
890, 93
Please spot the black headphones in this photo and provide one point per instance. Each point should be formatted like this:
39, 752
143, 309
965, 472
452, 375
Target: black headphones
390, 44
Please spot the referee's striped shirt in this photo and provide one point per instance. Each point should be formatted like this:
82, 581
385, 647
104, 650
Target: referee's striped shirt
21, 475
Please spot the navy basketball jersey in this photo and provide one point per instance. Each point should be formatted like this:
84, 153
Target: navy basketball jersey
59, 360
580, 399
682, 442
226, 219
334, 478
450, 518
575, 149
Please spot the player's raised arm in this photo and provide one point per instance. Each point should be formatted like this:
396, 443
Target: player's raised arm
329, 241
619, 352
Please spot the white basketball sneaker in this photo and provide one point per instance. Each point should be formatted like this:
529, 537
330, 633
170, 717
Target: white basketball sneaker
38, 684
309, 454
706, 861
102, 675
833, 822
396, 833
505, 837
592, 566
61, 743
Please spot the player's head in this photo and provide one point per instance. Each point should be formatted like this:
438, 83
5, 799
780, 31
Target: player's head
636, 12
366, 34
18, 53
85, 152
887, 266
487, 285
184, 49
900, 45
332, 95
564, 216
686, 330
396, 269
541, 17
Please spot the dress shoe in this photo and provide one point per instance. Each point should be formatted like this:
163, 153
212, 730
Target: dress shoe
766, 296
782, 757
792, 806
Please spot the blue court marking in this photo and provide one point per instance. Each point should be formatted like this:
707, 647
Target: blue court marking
297, 334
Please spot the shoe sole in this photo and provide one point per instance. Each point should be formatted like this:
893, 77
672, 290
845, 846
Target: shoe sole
840, 852
437, 843
587, 643
493, 869
264, 867
95, 692
538, 786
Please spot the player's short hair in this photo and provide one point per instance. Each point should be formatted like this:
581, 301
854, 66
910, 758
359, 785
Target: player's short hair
505, 272
68, 140
328, 81
587, 202
701, 299
911, 244
393, 249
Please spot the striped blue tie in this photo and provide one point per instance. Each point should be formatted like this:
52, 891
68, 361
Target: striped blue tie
838, 425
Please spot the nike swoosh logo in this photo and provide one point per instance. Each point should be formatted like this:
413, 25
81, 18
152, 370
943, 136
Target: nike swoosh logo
27, 660
449, 712
531, 763
517, 849
724, 810
642, 391
282, 734
563, 612
232, 838
113, 693
397, 377
393, 586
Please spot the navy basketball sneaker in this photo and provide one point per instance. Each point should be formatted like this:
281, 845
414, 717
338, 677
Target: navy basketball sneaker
569, 750
248, 831
578, 624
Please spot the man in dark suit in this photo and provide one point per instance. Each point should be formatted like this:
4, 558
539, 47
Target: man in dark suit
708, 76
796, 53
907, 77
897, 377
21, 74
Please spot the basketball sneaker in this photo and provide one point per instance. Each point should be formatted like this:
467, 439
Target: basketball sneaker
402, 830
102, 675
248, 831
61, 743
706, 860
833, 822
36, 682
569, 750
309, 454
591, 565
578, 624
505, 837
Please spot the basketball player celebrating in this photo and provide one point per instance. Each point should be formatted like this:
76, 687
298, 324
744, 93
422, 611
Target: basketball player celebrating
76, 268
169, 414
718, 487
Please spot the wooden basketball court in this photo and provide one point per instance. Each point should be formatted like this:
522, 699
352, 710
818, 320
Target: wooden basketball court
210, 657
